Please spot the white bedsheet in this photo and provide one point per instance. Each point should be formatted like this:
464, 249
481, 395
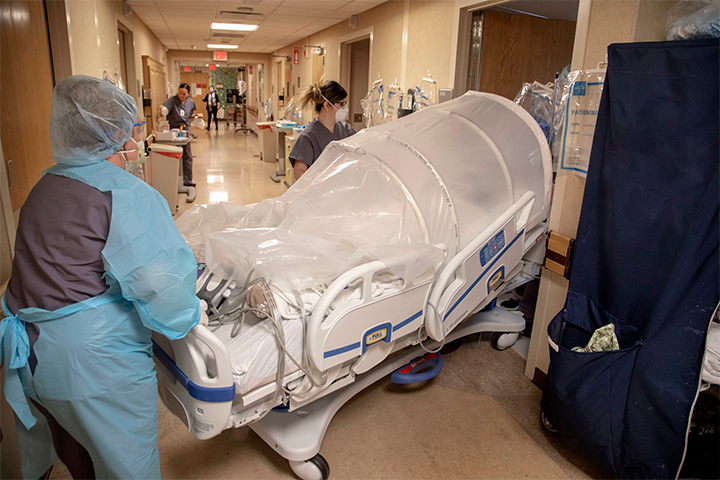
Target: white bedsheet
254, 351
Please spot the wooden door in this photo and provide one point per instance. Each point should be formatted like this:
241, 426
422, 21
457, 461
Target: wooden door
519, 48
26, 86
154, 79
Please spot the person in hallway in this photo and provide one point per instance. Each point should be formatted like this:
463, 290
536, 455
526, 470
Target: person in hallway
330, 102
212, 103
181, 110
98, 265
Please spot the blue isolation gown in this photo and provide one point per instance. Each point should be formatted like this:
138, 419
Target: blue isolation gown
95, 371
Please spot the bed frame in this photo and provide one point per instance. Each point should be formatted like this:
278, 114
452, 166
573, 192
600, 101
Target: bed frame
354, 345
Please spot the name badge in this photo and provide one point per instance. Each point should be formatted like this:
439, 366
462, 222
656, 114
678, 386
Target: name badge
182, 112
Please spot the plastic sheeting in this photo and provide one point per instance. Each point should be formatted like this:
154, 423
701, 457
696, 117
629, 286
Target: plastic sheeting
694, 19
410, 193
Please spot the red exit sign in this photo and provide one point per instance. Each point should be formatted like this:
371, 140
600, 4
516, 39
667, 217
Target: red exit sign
220, 56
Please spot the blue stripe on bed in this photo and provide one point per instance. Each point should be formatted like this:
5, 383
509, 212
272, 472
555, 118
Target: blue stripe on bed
402, 324
353, 346
205, 394
338, 351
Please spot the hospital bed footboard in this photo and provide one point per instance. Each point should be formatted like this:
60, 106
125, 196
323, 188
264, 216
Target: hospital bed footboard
196, 387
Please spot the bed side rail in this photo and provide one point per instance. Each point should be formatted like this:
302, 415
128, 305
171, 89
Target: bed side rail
353, 328
479, 270
199, 391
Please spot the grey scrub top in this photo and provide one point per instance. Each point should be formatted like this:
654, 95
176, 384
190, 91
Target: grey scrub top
179, 113
64, 225
313, 140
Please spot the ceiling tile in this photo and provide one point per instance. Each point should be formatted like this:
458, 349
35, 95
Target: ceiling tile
196, 15
185, 5
357, 7
266, 7
285, 20
326, 5
301, 12
148, 14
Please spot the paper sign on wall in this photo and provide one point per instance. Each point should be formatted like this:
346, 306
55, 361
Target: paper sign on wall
581, 112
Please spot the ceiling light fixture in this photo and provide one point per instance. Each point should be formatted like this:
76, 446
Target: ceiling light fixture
221, 46
238, 27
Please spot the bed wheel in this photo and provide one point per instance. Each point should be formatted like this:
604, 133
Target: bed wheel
316, 468
545, 421
501, 341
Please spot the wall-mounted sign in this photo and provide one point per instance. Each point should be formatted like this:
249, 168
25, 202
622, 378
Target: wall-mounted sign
220, 56
250, 69
219, 86
212, 67
186, 69
296, 56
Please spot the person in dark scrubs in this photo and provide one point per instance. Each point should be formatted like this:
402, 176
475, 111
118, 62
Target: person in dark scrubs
181, 110
330, 101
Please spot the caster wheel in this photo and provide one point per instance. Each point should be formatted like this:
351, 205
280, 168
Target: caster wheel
316, 468
546, 423
501, 341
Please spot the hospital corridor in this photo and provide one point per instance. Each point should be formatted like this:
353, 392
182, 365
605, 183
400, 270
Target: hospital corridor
478, 419
360, 239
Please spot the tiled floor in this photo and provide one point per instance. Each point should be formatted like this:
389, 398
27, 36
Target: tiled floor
477, 419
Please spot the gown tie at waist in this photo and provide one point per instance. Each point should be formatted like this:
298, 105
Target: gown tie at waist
15, 352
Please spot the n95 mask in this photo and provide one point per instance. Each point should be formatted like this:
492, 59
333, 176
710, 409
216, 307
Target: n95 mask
342, 114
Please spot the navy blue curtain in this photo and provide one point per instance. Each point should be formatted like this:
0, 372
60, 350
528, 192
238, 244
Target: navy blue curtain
646, 259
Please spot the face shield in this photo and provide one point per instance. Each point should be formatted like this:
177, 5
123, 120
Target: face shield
91, 120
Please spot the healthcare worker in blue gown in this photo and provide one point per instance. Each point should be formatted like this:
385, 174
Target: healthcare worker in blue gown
98, 265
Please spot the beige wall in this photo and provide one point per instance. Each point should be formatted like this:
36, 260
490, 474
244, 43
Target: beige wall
426, 25
600, 23
614, 21
92, 31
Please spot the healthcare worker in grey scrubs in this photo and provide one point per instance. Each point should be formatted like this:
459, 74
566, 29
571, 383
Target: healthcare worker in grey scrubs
330, 101
181, 111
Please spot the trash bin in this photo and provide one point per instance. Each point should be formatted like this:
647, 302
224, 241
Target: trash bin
163, 171
268, 141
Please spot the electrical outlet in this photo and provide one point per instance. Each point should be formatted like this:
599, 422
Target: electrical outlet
357, 117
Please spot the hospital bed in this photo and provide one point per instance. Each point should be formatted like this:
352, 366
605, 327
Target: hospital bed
398, 240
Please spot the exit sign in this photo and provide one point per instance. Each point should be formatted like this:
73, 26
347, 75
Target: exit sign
220, 56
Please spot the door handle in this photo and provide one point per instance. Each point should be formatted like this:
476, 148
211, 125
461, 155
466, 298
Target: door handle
11, 173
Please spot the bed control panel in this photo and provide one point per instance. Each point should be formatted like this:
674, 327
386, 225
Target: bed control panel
492, 248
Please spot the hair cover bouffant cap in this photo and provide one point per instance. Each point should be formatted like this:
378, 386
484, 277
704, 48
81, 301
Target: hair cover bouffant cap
91, 119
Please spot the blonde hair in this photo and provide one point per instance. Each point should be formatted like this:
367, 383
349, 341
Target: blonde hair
313, 94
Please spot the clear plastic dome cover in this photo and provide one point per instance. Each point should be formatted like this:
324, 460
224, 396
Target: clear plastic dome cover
411, 193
